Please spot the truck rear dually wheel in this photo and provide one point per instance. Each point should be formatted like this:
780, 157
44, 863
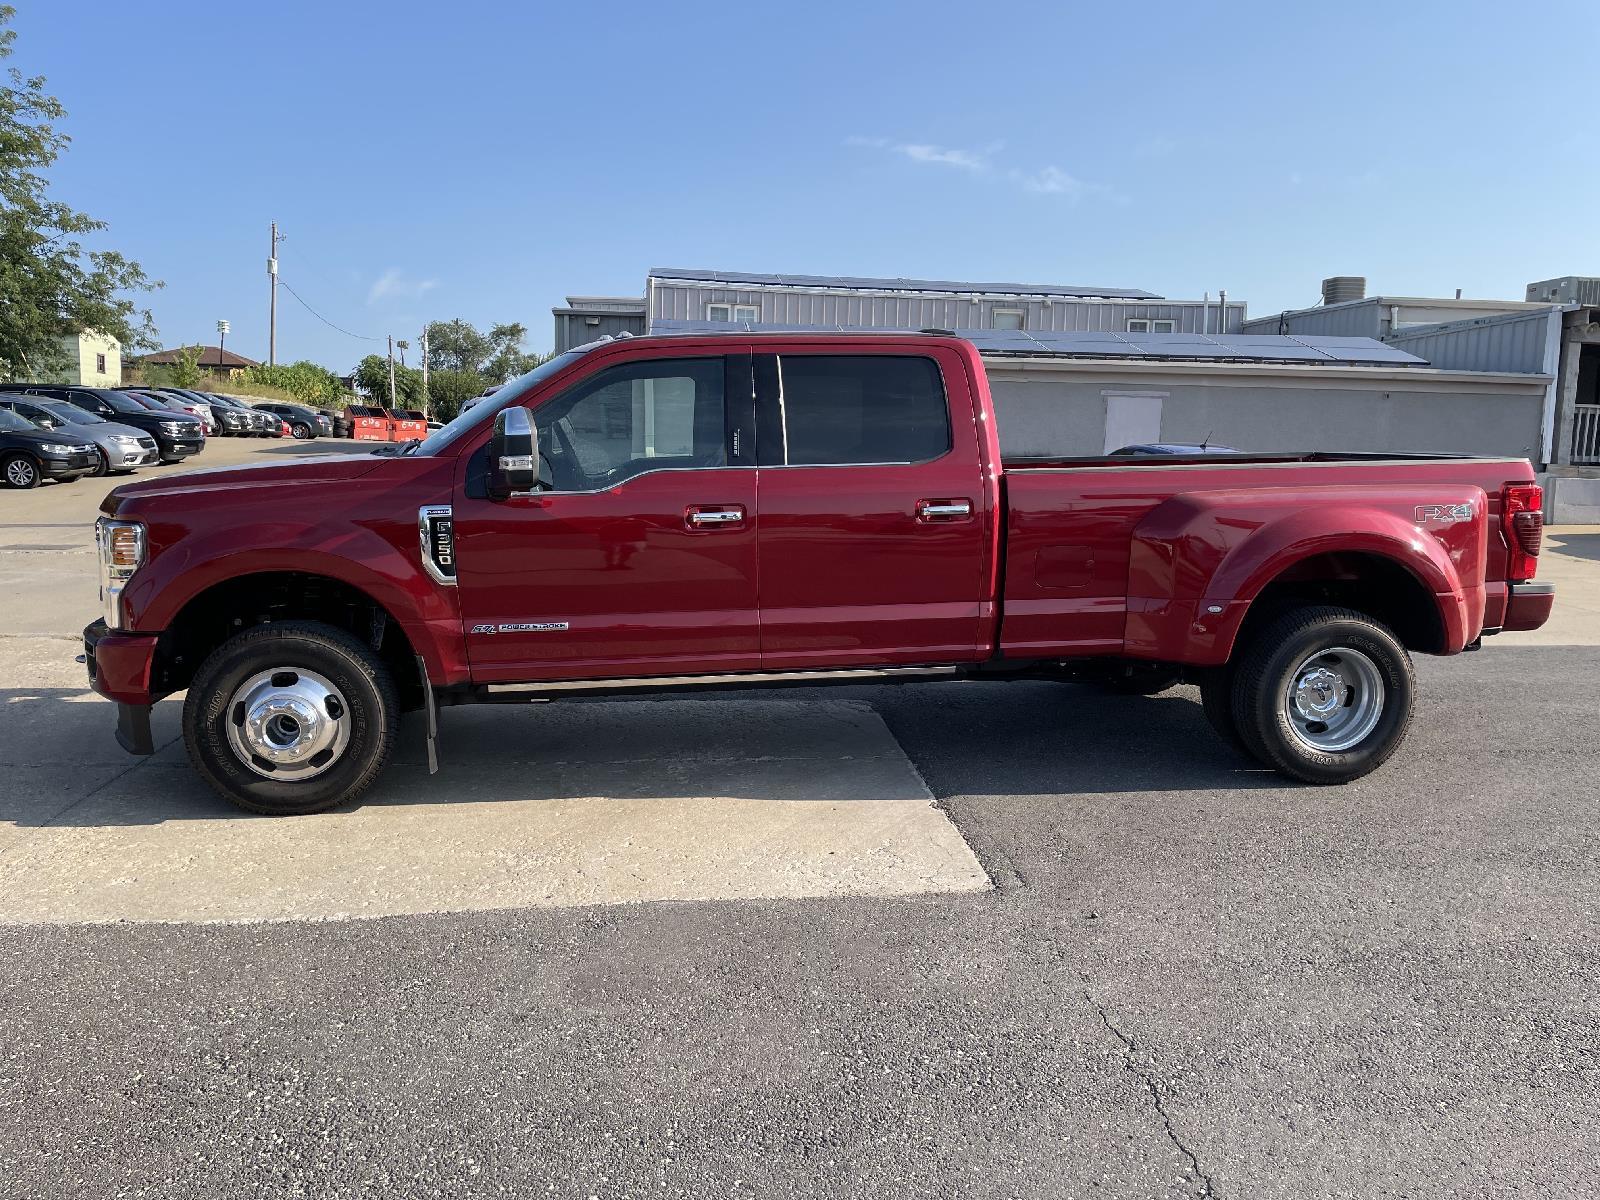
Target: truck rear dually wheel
1323, 695
291, 718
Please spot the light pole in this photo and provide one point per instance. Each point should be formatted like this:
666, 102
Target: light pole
222, 342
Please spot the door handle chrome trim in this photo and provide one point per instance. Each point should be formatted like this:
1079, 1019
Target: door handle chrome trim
934, 509
716, 516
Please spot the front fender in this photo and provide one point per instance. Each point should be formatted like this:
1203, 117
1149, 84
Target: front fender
1200, 559
358, 555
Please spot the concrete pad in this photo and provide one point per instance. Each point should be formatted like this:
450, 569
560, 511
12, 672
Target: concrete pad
1571, 561
544, 806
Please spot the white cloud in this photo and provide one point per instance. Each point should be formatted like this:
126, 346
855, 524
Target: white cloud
966, 160
392, 285
1048, 180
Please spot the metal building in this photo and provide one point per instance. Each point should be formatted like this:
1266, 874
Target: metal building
1553, 335
679, 294
588, 318
1079, 394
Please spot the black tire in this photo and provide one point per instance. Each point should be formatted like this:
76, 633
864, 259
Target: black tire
102, 462
1216, 700
1267, 669
362, 681
19, 471
302, 431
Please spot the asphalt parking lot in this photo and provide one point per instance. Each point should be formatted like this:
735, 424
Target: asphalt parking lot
1066, 945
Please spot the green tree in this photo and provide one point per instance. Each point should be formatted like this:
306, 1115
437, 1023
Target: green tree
186, 371
372, 380
456, 346
449, 390
509, 359
306, 381
51, 285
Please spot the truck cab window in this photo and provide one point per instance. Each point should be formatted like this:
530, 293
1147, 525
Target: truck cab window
647, 416
861, 409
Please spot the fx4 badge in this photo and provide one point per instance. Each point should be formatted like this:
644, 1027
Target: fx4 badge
1445, 514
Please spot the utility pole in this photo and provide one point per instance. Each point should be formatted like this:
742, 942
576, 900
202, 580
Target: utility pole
391, 371
272, 309
427, 403
222, 346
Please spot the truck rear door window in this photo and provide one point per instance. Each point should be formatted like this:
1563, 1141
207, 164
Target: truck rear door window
836, 409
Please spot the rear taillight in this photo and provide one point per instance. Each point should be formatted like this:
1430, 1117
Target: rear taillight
1522, 516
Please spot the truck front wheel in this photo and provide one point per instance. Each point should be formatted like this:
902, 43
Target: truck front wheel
1323, 695
291, 718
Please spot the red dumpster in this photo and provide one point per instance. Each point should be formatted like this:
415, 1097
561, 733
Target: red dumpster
408, 423
368, 423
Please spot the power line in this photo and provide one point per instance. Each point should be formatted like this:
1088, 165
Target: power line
360, 337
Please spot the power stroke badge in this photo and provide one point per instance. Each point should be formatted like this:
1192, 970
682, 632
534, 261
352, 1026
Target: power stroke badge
523, 627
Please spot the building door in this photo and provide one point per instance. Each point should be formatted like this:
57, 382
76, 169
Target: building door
1132, 418
639, 555
872, 536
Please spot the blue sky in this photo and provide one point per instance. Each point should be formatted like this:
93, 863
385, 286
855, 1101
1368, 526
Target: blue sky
484, 160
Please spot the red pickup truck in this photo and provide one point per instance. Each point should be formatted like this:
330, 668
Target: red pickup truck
724, 510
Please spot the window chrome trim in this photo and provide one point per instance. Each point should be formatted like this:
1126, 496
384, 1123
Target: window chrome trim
631, 478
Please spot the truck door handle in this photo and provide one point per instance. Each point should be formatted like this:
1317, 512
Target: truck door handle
708, 516
943, 510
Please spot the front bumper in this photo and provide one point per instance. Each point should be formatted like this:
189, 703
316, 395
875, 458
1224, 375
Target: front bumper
120, 668
173, 449
65, 468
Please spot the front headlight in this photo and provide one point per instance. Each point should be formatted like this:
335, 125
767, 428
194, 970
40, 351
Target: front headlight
174, 427
121, 548
58, 449
123, 439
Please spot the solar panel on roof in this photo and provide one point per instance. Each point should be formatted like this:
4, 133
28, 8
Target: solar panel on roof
1195, 347
868, 283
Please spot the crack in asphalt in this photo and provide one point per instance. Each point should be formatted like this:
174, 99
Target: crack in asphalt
1130, 1048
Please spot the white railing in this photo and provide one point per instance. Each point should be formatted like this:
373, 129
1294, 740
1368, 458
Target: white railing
1586, 433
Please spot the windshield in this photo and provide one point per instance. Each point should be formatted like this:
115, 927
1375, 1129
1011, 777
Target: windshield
71, 413
11, 423
478, 414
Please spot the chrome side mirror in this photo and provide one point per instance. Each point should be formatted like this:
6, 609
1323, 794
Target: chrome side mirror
513, 452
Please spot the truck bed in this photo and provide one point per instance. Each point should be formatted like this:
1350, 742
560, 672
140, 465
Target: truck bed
1120, 555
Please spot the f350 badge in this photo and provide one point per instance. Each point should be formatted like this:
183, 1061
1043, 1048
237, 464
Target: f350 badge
1443, 514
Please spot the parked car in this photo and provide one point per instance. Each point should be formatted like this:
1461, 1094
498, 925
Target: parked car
246, 421
857, 523
1187, 448
303, 422
182, 401
121, 448
232, 420
29, 453
177, 435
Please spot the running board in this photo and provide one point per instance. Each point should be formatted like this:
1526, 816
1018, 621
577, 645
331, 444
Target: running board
514, 693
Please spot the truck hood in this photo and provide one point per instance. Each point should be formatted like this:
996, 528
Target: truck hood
265, 477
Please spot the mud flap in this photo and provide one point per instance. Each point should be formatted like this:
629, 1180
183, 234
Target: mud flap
433, 716
133, 729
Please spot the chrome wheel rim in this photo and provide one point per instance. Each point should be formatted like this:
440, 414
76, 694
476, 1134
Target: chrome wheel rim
1334, 699
19, 472
288, 724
